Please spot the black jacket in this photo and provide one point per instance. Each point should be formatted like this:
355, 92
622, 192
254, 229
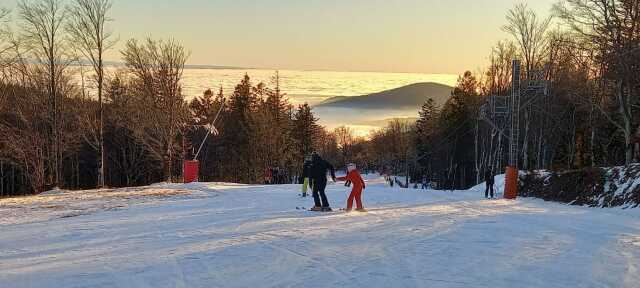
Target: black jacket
319, 168
306, 169
489, 178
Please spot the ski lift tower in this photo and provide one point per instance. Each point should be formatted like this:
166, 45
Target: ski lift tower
503, 114
511, 179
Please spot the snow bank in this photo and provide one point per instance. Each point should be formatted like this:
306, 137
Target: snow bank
595, 187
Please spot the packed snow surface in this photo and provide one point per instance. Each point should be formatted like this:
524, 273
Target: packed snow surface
229, 235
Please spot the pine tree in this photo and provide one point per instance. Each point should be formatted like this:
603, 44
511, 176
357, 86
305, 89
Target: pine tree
238, 130
456, 122
279, 124
426, 131
427, 123
305, 131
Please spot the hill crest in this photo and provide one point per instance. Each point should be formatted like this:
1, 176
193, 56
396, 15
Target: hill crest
406, 97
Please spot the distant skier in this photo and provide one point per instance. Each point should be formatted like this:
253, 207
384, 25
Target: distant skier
425, 183
318, 173
267, 176
489, 178
358, 185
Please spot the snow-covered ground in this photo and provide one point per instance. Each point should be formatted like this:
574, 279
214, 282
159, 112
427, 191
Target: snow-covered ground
226, 235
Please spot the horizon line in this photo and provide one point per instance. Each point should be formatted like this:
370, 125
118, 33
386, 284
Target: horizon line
232, 67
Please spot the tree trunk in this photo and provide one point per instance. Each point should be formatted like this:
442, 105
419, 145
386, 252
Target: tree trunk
592, 142
477, 164
101, 175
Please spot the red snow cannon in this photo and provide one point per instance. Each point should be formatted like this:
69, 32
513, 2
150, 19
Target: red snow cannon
191, 170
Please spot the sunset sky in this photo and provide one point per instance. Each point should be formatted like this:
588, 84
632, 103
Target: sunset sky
427, 36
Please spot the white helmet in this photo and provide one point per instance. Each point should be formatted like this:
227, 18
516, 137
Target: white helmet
351, 167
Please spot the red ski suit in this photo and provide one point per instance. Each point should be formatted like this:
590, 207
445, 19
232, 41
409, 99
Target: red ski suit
356, 191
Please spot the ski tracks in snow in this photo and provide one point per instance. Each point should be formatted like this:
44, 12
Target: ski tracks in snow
253, 236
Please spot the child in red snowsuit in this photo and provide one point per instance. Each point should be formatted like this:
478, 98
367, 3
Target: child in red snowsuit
358, 185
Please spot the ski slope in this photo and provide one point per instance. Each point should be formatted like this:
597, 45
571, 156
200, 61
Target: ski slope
229, 235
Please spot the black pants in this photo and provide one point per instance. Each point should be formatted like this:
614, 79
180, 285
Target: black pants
486, 190
319, 197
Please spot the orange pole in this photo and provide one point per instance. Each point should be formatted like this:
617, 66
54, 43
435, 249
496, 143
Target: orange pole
511, 183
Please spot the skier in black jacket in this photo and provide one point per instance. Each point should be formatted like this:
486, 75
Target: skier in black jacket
318, 173
490, 181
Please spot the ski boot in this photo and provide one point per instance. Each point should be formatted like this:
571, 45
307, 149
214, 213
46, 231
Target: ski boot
326, 209
316, 209
362, 210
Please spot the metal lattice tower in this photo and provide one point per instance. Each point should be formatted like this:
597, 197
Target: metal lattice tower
514, 111
503, 112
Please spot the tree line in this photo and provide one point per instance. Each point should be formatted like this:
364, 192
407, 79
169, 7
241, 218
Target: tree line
67, 121
588, 53
135, 127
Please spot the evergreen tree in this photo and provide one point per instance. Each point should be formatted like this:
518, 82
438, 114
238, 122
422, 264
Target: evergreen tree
238, 130
456, 138
278, 126
305, 131
426, 132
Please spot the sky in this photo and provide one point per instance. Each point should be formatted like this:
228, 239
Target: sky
423, 36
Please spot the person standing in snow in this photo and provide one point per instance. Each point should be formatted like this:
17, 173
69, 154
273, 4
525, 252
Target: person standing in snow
267, 176
274, 176
358, 185
318, 173
425, 183
489, 178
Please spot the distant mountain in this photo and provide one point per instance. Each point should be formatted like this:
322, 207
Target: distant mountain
406, 97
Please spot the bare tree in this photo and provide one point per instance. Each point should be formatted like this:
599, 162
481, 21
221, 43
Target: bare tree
21, 128
344, 136
612, 27
529, 32
399, 133
157, 68
4, 33
86, 28
7, 45
42, 22
498, 76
